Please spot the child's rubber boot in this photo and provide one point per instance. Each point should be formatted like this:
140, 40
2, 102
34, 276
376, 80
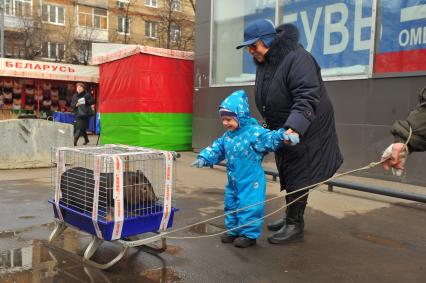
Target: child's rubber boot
227, 238
244, 242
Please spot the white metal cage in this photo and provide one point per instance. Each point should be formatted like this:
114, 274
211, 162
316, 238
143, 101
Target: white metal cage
90, 182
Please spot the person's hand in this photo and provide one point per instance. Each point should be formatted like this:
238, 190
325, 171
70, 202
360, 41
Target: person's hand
78, 104
291, 137
394, 157
199, 163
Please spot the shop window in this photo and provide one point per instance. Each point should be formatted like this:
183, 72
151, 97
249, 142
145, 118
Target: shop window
151, 29
176, 5
53, 14
19, 8
229, 20
151, 3
123, 25
175, 33
92, 17
53, 50
337, 33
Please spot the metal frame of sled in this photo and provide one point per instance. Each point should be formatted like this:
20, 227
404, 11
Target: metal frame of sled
96, 242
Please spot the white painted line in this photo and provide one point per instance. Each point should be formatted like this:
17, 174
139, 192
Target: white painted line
413, 13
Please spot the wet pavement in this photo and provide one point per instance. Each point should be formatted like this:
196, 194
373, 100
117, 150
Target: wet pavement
350, 237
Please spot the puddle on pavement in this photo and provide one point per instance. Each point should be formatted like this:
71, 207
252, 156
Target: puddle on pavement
173, 249
379, 240
161, 275
206, 228
37, 261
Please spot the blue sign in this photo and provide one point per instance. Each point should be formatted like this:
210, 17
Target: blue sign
403, 26
336, 33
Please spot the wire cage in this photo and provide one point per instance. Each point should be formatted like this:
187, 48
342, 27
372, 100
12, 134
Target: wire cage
113, 191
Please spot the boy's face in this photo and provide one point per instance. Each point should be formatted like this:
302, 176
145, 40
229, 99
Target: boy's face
229, 123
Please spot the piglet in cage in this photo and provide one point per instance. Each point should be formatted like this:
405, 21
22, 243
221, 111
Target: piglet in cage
77, 189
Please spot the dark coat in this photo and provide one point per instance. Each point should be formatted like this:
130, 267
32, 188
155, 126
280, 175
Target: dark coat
417, 121
290, 93
82, 112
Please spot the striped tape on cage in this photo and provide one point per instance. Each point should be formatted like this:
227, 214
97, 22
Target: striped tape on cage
60, 168
95, 209
118, 198
168, 183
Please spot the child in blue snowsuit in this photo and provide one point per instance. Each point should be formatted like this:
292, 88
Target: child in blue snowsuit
243, 146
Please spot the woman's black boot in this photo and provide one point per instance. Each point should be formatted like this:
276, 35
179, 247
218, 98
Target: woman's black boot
294, 225
278, 224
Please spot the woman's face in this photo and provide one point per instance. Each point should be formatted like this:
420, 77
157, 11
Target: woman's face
257, 50
79, 88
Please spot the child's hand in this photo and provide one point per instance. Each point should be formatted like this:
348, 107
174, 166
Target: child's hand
291, 137
199, 163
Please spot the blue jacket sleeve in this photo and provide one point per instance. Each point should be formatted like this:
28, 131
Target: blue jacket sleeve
268, 140
214, 153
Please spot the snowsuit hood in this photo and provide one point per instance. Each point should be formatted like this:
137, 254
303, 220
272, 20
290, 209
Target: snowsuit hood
237, 103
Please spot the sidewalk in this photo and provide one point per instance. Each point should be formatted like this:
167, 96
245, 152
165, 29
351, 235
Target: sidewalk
350, 236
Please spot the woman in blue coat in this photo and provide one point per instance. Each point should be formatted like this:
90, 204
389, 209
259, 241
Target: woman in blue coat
243, 146
290, 93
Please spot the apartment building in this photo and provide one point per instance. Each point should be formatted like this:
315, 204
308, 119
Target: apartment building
63, 30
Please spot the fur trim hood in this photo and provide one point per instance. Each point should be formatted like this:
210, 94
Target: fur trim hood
286, 40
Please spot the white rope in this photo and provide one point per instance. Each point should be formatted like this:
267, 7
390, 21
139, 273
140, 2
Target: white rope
313, 186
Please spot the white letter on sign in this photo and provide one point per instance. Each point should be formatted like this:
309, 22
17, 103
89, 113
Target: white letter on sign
360, 23
338, 27
310, 31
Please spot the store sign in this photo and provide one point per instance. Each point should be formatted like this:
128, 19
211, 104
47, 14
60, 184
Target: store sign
402, 44
48, 70
337, 33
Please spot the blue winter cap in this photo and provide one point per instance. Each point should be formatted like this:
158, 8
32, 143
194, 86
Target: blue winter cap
259, 29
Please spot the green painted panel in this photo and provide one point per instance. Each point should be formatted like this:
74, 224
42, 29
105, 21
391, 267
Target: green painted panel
168, 131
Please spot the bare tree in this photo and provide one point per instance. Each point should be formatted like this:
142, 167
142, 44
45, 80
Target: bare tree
175, 31
29, 37
124, 10
77, 41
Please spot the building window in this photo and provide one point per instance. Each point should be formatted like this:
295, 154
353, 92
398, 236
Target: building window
85, 55
151, 3
175, 34
92, 17
151, 29
122, 3
100, 18
53, 14
176, 5
20, 8
123, 25
53, 50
